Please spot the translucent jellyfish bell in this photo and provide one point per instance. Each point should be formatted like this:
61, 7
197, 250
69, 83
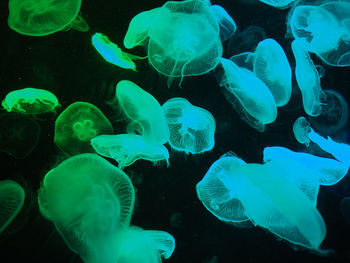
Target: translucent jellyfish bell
301, 129
42, 17
191, 128
278, 3
89, 200
227, 25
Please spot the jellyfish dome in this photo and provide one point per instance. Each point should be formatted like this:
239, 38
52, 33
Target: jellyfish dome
191, 128
89, 200
278, 3
42, 17
184, 37
301, 129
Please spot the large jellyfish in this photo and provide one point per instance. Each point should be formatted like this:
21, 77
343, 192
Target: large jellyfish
89, 200
128, 148
30, 101
184, 37
191, 128
19, 134
44, 17
11, 201
249, 95
144, 111
77, 124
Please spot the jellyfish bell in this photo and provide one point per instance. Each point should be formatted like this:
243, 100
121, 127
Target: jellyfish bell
301, 129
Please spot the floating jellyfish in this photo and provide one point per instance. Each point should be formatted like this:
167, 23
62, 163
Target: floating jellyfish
11, 201
89, 200
30, 101
191, 128
278, 3
19, 134
334, 114
77, 124
259, 193
301, 129
144, 111
148, 246
128, 148
249, 94
227, 25
308, 79
112, 53
184, 38
44, 17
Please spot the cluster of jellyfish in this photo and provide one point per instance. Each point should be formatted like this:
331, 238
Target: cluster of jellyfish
90, 201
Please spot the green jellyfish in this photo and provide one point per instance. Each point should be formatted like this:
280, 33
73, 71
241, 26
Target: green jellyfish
11, 201
89, 201
44, 17
19, 134
128, 148
301, 129
112, 53
144, 111
30, 101
191, 128
77, 124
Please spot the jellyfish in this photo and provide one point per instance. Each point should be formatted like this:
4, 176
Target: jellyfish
278, 3
249, 94
19, 134
227, 25
191, 128
128, 148
44, 17
308, 79
301, 129
184, 38
334, 115
144, 111
77, 124
30, 101
112, 53
11, 201
89, 201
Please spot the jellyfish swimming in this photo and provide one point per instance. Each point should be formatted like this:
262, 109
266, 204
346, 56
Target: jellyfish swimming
77, 124
144, 111
191, 128
278, 3
301, 129
11, 201
89, 200
227, 25
112, 53
43, 17
128, 148
19, 134
30, 101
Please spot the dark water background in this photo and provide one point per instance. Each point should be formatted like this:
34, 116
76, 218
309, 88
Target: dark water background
66, 64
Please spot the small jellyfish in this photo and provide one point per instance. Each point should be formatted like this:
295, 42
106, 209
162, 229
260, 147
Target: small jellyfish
144, 111
301, 129
77, 124
19, 134
191, 128
89, 201
278, 3
11, 201
30, 101
112, 53
43, 17
128, 148
227, 25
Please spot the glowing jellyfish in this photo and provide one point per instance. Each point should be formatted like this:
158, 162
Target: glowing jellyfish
19, 134
248, 94
184, 38
148, 246
308, 79
278, 3
112, 53
227, 25
89, 200
144, 111
44, 17
191, 128
128, 148
77, 124
301, 129
30, 101
11, 201
334, 114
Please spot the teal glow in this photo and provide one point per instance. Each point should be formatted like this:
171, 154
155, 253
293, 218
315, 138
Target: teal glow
301, 129
278, 3
191, 128
227, 25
